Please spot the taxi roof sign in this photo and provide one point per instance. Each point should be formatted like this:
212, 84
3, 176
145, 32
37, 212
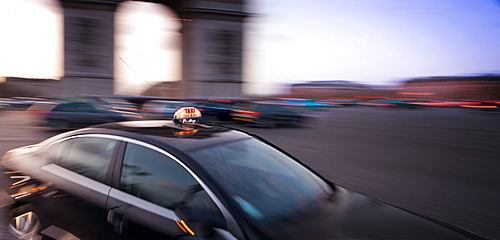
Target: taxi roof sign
187, 115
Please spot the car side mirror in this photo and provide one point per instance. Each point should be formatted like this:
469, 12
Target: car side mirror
197, 212
200, 215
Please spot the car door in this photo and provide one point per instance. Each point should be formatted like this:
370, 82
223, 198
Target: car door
153, 185
78, 177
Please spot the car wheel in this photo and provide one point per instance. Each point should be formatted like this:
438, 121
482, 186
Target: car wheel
24, 223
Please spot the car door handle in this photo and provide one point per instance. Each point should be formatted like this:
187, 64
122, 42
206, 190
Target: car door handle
117, 220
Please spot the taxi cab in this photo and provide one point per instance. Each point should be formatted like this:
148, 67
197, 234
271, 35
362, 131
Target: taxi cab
184, 180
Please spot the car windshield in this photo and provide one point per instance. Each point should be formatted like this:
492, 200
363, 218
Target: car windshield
268, 185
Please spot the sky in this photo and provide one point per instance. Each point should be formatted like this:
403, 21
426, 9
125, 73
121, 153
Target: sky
379, 42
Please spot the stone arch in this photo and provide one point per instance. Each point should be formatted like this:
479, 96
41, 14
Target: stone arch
212, 40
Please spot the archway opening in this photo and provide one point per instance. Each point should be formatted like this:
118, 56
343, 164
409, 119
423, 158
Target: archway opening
31, 49
147, 46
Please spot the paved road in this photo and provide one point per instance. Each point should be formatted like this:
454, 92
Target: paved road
444, 163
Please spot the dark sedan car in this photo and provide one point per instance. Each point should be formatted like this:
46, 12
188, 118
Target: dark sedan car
263, 114
70, 115
169, 180
218, 110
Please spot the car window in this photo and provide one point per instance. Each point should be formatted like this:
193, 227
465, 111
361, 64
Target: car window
65, 107
88, 156
75, 107
86, 108
220, 104
264, 182
154, 176
282, 109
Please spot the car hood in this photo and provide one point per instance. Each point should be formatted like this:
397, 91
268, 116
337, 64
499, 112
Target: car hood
350, 215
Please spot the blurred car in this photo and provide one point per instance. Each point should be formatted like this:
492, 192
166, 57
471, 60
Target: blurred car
491, 103
311, 104
447, 103
14, 103
113, 103
218, 110
6, 106
488, 105
263, 114
389, 103
339, 102
43, 108
38, 112
460, 103
28, 101
169, 180
162, 109
70, 115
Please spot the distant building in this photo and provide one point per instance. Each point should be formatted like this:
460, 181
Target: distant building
474, 87
29, 87
330, 89
17, 86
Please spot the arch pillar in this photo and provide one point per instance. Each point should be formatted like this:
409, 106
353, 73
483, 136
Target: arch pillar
212, 52
88, 47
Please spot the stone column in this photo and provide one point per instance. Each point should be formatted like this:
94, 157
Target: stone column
212, 47
88, 47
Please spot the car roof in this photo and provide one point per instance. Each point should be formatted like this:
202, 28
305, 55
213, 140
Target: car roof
167, 134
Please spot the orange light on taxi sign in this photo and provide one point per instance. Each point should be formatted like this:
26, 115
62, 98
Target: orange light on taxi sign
187, 115
185, 132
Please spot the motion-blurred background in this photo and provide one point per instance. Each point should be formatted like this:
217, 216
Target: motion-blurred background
396, 99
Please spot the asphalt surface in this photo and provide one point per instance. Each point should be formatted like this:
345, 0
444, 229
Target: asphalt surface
444, 163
